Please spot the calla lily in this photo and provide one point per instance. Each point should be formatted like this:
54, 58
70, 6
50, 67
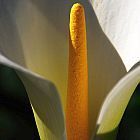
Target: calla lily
34, 42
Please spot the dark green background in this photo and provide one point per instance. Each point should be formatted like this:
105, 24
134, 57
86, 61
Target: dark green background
16, 117
129, 128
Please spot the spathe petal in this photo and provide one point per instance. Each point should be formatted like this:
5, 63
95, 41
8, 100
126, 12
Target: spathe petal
34, 34
45, 102
120, 22
115, 104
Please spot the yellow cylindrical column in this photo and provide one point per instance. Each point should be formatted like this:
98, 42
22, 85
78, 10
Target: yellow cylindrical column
77, 96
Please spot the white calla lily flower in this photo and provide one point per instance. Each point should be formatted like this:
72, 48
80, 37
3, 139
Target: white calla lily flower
34, 42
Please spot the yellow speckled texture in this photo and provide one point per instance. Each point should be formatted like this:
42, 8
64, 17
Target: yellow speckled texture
77, 96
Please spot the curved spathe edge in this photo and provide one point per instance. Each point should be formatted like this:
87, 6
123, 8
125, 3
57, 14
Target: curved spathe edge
116, 102
45, 102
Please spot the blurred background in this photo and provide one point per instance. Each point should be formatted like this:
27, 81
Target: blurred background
16, 117
129, 128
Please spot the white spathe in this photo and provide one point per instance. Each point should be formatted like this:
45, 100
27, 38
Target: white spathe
34, 41
120, 20
115, 103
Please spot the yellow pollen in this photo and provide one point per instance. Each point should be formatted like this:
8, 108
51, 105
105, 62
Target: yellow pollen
77, 94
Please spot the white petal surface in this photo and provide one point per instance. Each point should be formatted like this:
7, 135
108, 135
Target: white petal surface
115, 105
34, 35
45, 102
120, 20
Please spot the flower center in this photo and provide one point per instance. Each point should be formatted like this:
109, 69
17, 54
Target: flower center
77, 94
